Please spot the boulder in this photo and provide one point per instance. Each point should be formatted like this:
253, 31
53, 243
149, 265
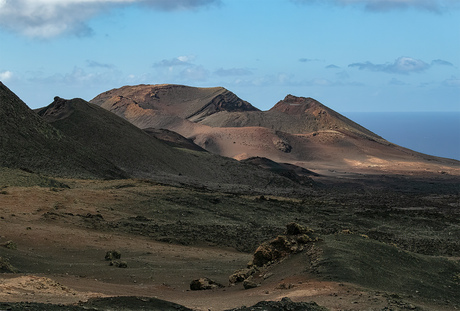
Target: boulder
282, 145
249, 283
241, 275
296, 229
293, 242
204, 284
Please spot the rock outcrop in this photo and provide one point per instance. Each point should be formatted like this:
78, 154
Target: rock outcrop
204, 284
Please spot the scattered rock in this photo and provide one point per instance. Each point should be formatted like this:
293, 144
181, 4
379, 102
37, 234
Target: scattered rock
119, 263
285, 286
296, 229
283, 245
6, 267
282, 145
241, 275
249, 283
10, 245
204, 284
284, 304
94, 216
111, 255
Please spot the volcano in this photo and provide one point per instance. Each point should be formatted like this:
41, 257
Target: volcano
141, 154
297, 130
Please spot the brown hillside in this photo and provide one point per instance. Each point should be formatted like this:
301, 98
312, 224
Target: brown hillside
294, 115
173, 139
186, 102
29, 143
297, 130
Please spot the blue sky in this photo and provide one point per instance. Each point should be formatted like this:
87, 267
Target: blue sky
352, 55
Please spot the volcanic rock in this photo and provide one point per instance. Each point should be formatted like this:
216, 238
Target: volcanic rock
293, 242
204, 284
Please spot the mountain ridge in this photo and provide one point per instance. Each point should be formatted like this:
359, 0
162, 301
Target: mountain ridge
142, 155
296, 130
29, 142
190, 103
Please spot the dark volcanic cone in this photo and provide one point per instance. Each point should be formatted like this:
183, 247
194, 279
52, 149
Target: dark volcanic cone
109, 136
142, 155
28, 142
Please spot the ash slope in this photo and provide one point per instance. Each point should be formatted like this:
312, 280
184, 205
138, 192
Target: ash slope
189, 103
142, 155
28, 142
297, 130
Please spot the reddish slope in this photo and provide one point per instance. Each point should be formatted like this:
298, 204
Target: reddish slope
189, 103
294, 115
142, 155
296, 130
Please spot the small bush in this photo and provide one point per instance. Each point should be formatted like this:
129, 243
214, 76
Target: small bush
6, 267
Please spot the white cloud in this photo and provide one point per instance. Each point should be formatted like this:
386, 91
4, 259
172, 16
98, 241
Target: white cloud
387, 5
6, 75
174, 62
452, 82
181, 69
441, 62
194, 74
49, 18
95, 64
402, 65
306, 60
233, 72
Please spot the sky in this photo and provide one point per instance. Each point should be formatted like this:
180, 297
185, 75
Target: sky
351, 55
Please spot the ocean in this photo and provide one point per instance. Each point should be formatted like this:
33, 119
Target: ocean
433, 133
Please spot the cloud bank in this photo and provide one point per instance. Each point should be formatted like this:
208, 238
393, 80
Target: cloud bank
50, 18
388, 5
233, 72
182, 69
402, 65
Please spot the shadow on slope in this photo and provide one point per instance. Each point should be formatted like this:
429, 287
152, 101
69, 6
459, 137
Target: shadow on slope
378, 266
295, 173
21, 178
173, 139
143, 156
28, 142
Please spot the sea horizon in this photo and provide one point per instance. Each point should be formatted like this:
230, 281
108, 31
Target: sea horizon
432, 133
